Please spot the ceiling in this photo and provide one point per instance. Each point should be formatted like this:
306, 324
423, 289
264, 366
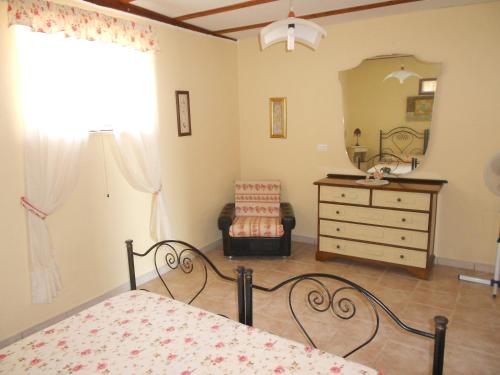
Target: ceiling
239, 18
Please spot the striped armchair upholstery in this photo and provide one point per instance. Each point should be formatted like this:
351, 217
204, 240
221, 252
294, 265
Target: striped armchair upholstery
257, 198
257, 223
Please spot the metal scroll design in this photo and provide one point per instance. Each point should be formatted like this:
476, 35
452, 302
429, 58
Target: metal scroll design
179, 255
385, 158
323, 299
403, 140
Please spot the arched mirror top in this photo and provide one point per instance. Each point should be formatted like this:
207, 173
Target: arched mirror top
388, 103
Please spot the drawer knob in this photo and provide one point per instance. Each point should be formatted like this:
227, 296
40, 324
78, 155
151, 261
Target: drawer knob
399, 199
337, 212
338, 229
342, 195
403, 220
338, 246
403, 238
402, 256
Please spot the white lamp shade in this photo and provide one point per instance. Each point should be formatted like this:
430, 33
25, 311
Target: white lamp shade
306, 32
401, 75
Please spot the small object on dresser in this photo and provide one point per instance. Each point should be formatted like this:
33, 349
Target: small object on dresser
375, 181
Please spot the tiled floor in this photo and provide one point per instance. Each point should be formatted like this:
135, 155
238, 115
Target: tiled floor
473, 338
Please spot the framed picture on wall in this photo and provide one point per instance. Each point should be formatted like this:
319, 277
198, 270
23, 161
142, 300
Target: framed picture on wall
419, 108
183, 113
277, 114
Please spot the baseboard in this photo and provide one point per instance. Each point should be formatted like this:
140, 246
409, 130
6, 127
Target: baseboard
304, 239
480, 267
120, 289
213, 246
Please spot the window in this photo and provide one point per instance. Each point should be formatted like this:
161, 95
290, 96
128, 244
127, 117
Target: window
70, 86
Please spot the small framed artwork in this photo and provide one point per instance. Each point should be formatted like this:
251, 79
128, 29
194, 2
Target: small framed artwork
419, 108
183, 113
427, 86
277, 114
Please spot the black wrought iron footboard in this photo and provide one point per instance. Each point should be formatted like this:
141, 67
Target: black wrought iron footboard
178, 255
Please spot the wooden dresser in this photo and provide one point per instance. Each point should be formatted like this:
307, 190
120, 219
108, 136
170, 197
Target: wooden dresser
390, 224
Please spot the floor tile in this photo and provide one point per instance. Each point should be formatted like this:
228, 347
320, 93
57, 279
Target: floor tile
397, 359
463, 361
435, 298
398, 282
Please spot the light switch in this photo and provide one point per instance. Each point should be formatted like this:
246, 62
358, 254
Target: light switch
322, 147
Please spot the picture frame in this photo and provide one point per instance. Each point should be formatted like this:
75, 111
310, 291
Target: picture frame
183, 113
427, 86
277, 117
419, 108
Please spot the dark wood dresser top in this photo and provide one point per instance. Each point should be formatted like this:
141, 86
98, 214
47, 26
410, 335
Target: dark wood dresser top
396, 184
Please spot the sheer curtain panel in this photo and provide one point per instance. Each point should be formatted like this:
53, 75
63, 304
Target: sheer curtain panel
52, 166
68, 87
137, 154
136, 142
54, 140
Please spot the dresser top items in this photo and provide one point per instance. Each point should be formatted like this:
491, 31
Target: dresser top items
395, 184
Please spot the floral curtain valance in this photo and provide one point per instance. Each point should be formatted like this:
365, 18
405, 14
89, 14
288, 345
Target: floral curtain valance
48, 17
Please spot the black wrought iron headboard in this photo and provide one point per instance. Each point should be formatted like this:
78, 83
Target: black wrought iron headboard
321, 298
403, 140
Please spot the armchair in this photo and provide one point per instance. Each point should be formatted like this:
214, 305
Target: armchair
257, 224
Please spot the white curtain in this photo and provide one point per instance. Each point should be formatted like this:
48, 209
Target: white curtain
68, 87
54, 140
136, 145
137, 155
51, 167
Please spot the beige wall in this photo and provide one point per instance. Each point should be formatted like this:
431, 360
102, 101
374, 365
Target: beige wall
465, 130
89, 230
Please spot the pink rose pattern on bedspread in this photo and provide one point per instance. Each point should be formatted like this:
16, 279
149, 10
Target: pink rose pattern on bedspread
144, 333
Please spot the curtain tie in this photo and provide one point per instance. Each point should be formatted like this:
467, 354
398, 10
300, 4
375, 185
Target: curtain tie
31, 208
157, 191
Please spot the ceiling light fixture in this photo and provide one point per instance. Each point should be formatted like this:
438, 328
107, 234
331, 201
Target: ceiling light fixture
402, 74
292, 30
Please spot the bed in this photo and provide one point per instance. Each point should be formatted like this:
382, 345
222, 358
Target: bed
140, 332
401, 149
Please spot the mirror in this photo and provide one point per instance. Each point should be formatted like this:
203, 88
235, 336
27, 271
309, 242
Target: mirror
388, 103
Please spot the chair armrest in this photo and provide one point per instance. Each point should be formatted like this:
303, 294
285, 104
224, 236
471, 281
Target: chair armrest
226, 216
287, 216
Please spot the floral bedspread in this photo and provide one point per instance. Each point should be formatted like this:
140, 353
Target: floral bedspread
139, 332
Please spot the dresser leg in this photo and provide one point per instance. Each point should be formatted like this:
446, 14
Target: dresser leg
321, 255
422, 273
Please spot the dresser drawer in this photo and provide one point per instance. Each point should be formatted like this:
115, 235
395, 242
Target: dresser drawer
401, 199
400, 237
378, 216
344, 195
389, 254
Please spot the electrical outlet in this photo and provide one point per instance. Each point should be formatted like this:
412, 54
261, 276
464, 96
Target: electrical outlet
322, 147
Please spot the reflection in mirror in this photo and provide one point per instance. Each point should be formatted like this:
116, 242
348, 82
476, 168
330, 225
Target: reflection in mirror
388, 103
